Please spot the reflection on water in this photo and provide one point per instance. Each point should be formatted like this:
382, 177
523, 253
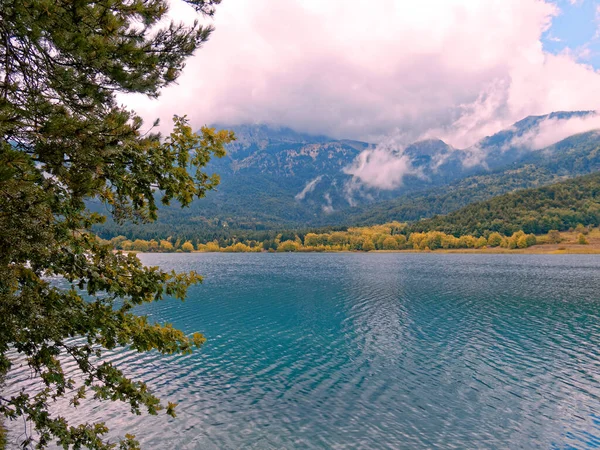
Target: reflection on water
375, 351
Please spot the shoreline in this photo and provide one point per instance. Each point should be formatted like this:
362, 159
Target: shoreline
382, 239
544, 249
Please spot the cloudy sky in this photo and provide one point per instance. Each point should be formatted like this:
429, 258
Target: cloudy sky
454, 69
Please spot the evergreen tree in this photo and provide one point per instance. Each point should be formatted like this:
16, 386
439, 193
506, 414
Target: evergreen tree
64, 140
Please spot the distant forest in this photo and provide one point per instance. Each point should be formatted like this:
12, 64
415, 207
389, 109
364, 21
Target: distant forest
577, 155
560, 206
511, 221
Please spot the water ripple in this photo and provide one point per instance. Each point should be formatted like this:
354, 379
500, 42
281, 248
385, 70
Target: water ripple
372, 351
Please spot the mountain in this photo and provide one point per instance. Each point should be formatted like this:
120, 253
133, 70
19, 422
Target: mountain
275, 178
559, 206
510, 145
278, 175
278, 178
573, 156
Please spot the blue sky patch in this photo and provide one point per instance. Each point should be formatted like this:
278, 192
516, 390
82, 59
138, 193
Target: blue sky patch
576, 29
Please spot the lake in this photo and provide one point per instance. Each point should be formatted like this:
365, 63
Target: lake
390, 350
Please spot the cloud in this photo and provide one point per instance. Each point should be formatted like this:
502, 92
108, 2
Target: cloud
482, 117
458, 69
310, 186
328, 206
551, 131
474, 156
382, 167
385, 166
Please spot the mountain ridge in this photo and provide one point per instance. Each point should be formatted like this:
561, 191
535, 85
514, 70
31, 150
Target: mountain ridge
275, 178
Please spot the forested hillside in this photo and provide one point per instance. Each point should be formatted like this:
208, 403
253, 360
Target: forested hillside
574, 156
509, 220
275, 179
556, 207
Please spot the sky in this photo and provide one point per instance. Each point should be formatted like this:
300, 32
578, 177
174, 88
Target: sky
457, 70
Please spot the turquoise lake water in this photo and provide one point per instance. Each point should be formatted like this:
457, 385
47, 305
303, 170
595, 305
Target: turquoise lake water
376, 351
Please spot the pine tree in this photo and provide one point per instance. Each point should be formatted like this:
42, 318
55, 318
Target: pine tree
64, 140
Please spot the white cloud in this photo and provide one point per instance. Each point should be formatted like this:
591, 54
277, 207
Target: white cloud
554, 130
474, 156
328, 206
553, 38
310, 186
482, 117
458, 69
382, 167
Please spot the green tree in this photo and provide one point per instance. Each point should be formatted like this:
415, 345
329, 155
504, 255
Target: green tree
581, 239
65, 139
269, 244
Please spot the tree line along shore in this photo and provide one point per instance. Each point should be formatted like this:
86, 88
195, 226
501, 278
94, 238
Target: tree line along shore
387, 237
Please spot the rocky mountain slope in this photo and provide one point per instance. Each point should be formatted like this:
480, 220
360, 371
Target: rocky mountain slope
278, 178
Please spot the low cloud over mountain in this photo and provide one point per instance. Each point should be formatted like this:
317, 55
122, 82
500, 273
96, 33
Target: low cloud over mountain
554, 129
385, 166
457, 70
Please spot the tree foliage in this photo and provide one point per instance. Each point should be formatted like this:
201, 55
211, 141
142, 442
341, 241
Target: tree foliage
379, 237
560, 206
65, 140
